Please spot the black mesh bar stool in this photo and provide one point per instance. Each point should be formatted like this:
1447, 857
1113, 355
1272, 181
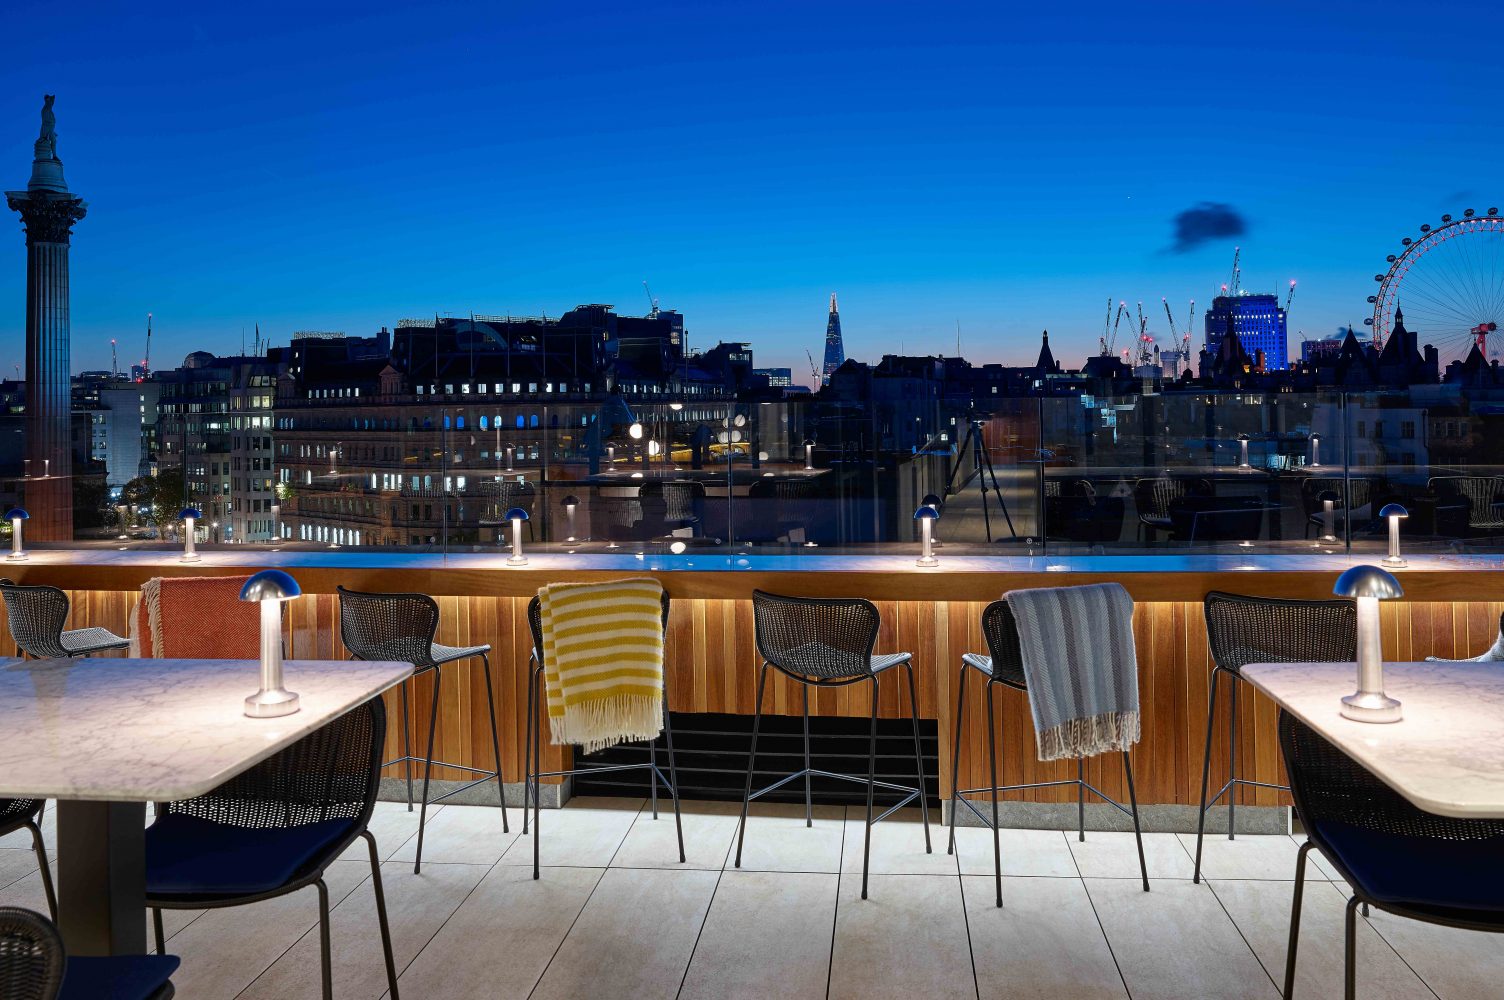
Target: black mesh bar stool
828, 642
26, 814
537, 702
1246, 630
37, 616
1004, 666
402, 627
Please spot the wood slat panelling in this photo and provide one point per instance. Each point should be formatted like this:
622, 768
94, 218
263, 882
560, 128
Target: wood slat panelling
712, 667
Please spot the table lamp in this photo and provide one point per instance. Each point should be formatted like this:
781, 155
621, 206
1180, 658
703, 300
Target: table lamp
17, 553
926, 516
1328, 500
1243, 452
517, 515
1315, 451
270, 588
189, 515
809, 455
571, 503
1368, 585
1392, 513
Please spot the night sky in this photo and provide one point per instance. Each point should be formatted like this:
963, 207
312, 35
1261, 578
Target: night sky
307, 167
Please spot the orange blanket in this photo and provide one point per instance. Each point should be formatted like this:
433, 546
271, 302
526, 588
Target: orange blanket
196, 618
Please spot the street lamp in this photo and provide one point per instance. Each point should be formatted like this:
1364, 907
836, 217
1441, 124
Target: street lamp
189, 515
1369, 585
270, 588
517, 515
1392, 513
926, 516
17, 553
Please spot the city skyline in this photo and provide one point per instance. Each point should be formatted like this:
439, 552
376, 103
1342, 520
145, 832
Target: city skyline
1023, 173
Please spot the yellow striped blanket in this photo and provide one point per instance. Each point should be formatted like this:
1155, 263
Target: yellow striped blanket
603, 661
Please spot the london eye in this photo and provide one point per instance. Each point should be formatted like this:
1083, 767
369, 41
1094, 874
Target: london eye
1449, 282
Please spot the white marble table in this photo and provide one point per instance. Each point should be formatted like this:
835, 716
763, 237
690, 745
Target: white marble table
1446, 755
105, 736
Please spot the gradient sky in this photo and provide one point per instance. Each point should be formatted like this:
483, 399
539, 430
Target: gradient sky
1005, 167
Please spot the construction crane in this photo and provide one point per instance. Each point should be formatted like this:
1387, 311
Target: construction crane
1109, 344
146, 359
814, 372
114, 360
1289, 295
1236, 274
1106, 322
653, 314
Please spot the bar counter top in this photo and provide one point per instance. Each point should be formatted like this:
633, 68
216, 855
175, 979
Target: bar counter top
720, 575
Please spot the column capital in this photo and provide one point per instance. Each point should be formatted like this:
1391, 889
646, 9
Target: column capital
48, 218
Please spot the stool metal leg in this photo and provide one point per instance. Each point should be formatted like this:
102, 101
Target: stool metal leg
501, 786
537, 699
1206, 770
433, 725
809, 809
1081, 799
673, 778
407, 750
1138, 834
741, 831
957, 731
1300, 886
528, 764
653, 774
386, 930
40, 849
1349, 960
1232, 763
924, 805
997, 844
871, 778
325, 961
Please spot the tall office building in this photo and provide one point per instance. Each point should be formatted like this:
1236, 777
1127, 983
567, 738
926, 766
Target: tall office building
835, 349
1259, 323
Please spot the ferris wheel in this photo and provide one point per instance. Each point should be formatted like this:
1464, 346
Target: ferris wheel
1449, 282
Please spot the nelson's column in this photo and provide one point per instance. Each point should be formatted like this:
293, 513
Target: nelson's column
48, 211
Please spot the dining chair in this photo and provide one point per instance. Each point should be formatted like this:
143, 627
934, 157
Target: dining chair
1244, 630
1003, 665
1394, 856
26, 814
37, 616
402, 627
823, 643
536, 703
34, 965
276, 829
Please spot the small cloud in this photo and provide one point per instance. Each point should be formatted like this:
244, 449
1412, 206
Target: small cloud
1458, 200
1206, 221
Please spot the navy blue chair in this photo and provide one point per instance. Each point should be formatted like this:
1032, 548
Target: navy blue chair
275, 829
35, 966
1395, 856
26, 814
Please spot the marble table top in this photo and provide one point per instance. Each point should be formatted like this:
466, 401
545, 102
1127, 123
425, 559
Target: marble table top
157, 730
1446, 755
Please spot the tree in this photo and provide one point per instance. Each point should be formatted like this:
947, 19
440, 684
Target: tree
157, 498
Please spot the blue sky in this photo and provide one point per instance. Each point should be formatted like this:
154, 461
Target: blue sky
1001, 166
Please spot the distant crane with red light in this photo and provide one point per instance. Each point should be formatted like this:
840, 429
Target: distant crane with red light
1236, 274
1289, 295
814, 372
146, 358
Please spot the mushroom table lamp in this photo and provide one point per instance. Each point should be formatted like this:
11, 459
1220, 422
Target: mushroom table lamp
270, 588
1368, 585
1392, 513
17, 553
517, 515
1243, 452
809, 455
1328, 500
571, 504
1315, 451
189, 515
926, 516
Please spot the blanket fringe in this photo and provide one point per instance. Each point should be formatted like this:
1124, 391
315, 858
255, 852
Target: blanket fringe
627, 717
1090, 736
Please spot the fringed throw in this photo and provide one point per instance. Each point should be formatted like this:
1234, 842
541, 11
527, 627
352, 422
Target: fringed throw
603, 661
1080, 666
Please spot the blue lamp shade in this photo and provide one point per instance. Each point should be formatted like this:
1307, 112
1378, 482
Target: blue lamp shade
1368, 581
17, 513
516, 514
270, 585
569, 501
1394, 510
192, 512
926, 513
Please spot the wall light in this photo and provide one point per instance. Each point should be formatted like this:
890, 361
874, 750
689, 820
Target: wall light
189, 515
1369, 585
17, 553
271, 588
517, 515
1392, 512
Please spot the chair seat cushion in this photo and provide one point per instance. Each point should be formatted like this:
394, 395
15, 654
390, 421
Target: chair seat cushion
89, 640
191, 856
126, 977
1421, 872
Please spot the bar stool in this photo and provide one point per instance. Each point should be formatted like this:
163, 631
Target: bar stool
402, 627
37, 616
533, 757
1245, 630
26, 814
1004, 666
828, 642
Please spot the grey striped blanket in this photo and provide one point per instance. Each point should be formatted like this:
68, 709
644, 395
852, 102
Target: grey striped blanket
1081, 668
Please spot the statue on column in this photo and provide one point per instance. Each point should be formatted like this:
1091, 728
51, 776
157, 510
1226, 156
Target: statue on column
46, 147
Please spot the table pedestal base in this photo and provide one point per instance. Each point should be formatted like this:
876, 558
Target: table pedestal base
101, 879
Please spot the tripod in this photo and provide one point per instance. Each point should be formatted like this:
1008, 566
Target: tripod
982, 470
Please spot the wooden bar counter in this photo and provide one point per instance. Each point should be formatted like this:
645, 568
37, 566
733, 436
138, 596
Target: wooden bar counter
1451, 608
